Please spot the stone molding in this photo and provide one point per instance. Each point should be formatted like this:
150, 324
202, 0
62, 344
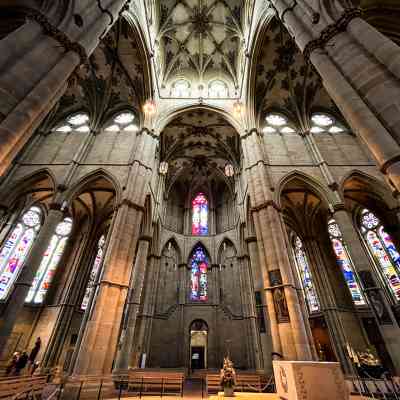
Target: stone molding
131, 204
331, 31
57, 35
268, 203
146, 238
111, 283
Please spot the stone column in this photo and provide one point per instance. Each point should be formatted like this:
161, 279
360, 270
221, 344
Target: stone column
55, 33
250, 312
130, 325
289, 334
143, 338
102, 331
31, 265
360, 71
370, 284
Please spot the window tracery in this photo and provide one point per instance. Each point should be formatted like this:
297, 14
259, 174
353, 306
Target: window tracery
277, 123
322, 122
303, 270
16, 248
383, 250
217, 89
200, 215
50, 260
344, 261
124, 121
181, 88
77, 122
199, 266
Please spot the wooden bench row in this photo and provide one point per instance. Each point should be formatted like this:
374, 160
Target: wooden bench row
134, 382
21, 387
244, 383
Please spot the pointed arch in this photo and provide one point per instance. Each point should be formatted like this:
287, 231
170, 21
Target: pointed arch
376, 188
87, 180
172, 239
199, 263
30, 183
225, 241
206, 248
319, 188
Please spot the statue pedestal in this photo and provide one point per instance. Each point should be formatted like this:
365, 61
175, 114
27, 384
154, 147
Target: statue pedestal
309, 380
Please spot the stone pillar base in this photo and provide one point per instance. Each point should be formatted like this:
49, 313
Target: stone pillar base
309, 380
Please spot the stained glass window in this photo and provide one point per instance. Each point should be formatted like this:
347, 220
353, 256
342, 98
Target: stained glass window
383, 250
51, 257
200, 215
16, 248
94, 272
344, 262
304, 272
199, 266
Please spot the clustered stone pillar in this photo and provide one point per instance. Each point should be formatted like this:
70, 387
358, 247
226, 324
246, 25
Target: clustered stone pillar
102, 332
360, 69
131, 323
55, 45
21, 288
287, 324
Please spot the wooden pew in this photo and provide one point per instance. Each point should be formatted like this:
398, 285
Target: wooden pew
17, 387
244, 382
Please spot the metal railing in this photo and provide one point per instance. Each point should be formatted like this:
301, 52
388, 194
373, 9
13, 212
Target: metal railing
384, 388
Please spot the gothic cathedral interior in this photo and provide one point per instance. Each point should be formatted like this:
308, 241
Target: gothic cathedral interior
185, 180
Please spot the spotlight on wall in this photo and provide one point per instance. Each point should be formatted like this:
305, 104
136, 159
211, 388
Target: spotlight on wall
229, 170
238, 109
149, 108
163, 169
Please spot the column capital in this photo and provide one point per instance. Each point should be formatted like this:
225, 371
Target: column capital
266, 204
331, 31
57, 34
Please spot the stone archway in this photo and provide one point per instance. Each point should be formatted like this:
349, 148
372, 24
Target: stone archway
198, 345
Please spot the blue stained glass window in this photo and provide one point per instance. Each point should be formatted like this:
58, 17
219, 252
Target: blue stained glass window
305, 276
200, 215
16, 248
199, 267
383, 250
344, 262
48, 266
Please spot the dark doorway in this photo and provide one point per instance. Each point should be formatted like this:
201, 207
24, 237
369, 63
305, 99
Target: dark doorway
322, 340
197, 358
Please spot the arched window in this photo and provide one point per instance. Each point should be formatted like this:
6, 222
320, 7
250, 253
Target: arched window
123, 122
304, 272
383, 250
217, 89
200, 215
181, 88
75, 123
325, 123
277, 123
16, 248
44, 276
344, 262
94, 272
199, 265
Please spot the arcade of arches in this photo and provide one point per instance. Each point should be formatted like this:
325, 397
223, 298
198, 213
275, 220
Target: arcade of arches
185, 179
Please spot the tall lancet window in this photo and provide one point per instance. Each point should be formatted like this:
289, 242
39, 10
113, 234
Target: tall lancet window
199, 266
16, 247
45, 274
94, 272
200, 215
383, 250
344, 262
303, 270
